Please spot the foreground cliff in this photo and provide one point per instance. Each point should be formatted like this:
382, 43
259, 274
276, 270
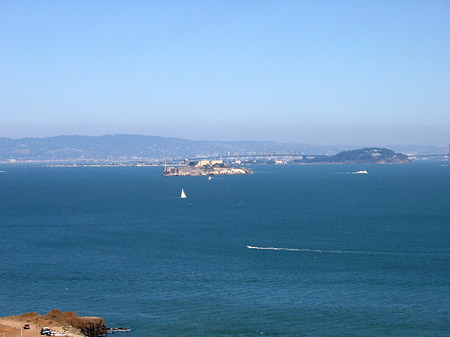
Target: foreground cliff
89, 326
65, 323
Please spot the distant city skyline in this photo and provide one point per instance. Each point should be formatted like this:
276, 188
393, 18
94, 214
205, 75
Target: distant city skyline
322, 72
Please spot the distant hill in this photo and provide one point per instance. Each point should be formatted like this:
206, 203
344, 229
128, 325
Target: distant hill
371, 155
135, 147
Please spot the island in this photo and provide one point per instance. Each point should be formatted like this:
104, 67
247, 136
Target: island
371, 155
205, 168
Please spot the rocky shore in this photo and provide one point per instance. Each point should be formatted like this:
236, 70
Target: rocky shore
64, 323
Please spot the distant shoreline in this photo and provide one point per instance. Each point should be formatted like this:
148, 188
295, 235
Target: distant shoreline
75, 165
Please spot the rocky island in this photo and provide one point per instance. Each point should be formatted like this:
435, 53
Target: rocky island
206, 167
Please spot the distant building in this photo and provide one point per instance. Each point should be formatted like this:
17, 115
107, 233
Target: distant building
201, 163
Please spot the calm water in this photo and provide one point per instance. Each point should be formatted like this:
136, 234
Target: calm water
365, 255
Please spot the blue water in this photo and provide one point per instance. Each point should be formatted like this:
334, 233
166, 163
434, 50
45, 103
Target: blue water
364, 254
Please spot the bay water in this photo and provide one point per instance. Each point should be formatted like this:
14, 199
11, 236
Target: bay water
302, 250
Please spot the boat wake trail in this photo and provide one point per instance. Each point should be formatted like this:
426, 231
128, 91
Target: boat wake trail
311, 250
418, 254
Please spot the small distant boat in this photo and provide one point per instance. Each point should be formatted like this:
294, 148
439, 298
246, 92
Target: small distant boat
183, 195
114, 330
209, 178
361, 172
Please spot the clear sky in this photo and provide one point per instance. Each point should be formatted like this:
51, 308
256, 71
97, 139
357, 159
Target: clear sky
325, 72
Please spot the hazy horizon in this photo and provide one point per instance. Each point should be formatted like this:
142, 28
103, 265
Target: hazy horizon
257, 139
346, 146
326, 73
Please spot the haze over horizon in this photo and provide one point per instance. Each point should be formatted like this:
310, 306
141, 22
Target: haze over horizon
403, 148
353, 72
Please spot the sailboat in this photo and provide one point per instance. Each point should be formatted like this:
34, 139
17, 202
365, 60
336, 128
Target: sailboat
183, 195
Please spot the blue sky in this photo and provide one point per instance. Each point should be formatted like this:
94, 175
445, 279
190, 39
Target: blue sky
324, 72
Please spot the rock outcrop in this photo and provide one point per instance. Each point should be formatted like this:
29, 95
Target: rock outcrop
89, 326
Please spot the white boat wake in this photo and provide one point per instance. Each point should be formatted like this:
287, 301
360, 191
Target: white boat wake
313, 250
354, 252
360, 172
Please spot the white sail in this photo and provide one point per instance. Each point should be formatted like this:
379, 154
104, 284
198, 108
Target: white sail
183, 195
